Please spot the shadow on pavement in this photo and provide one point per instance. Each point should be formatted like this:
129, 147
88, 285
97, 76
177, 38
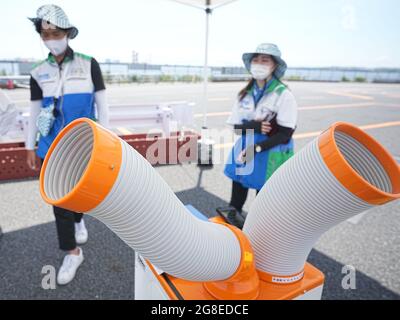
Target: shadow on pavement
106, 273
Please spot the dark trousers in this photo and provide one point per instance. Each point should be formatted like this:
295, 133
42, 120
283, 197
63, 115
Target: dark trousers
65, 223
239, 196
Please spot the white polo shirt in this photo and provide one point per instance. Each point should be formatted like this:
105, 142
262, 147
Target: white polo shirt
279, 102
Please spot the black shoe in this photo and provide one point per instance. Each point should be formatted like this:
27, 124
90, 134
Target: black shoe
232, 216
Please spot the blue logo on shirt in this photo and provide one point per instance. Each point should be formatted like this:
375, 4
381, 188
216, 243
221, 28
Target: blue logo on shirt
44, 76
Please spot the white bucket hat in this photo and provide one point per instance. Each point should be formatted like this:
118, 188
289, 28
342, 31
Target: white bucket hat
272, 50
56, 16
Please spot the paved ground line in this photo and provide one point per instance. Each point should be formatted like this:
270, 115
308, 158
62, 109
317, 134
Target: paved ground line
321, 107
317, 133
350, 95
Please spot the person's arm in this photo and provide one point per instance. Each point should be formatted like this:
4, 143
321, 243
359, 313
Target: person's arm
282, 136
36, 104
30, 142
287, 110
100, 99
97, 76
250, 125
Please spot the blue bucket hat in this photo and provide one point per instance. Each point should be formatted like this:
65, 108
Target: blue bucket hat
54, 15
272, 50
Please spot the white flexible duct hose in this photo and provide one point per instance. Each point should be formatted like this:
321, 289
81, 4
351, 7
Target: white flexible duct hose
139, 207
307, 196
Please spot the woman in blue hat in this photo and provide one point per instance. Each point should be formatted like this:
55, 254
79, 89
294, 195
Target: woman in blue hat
64, 87
266, 116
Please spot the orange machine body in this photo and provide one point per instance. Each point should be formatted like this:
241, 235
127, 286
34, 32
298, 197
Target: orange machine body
246, 284
178, 289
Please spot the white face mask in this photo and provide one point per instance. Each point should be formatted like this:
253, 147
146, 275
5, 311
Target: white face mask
260, 71
57, 47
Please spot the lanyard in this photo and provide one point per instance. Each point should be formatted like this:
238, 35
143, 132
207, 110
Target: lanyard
259, 93
62, 81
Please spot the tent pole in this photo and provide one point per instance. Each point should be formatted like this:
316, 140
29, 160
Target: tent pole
208, 12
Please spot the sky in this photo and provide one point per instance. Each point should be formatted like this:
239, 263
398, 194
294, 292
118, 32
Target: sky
310, 33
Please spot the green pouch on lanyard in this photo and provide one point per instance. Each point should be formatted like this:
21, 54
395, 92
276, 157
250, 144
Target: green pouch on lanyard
278, 156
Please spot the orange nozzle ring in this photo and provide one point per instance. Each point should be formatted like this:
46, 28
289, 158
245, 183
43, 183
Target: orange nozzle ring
347, 176
100, 174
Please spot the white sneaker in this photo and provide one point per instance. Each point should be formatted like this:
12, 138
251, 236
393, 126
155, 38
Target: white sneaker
69, 267
81, 233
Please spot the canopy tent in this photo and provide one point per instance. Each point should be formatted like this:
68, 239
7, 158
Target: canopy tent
207, 6
203, 4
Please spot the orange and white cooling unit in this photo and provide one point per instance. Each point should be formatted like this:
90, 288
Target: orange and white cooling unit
341, 173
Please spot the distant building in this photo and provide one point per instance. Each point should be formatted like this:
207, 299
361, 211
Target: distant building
114, 68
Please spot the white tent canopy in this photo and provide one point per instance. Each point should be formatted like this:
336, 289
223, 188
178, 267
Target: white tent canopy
203, 4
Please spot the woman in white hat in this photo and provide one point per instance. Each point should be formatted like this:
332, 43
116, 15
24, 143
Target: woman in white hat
64, 87
266, 116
